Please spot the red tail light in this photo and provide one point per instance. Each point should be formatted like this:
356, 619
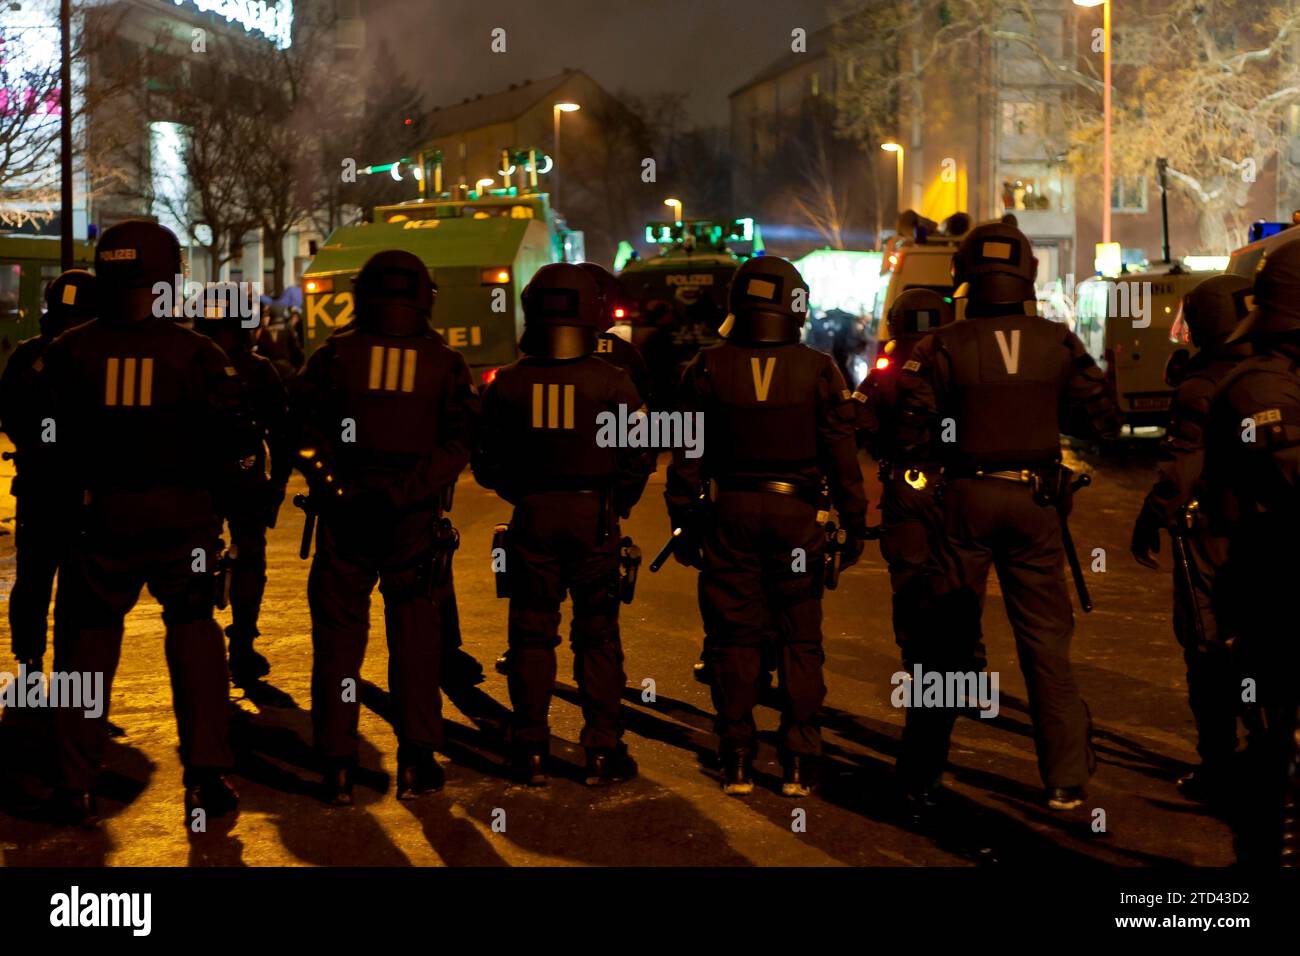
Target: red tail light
620, 313
489, 376
882, 363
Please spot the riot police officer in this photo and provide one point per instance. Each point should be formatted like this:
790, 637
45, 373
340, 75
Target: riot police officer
780, 420
45, 501
146, 419
254, 505
613, 349
386, 412
1209, 313
1253, 483
913, 542
996, 391
278, 341
539, 451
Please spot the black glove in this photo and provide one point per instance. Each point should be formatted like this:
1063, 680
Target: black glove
1146, 537
854, 543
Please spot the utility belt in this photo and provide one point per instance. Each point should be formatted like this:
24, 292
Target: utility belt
1040, 478
805, 492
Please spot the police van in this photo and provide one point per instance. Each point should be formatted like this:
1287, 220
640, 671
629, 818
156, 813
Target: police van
27, 265
481, 248
1264, 238
924, 263
1126, 323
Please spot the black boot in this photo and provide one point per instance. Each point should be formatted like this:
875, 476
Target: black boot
209, 791
418, 773
246, 664
337, 785
74, 808
530, 767
797, 778
609, 766
1206, 784
737, 773
1065, 798
703, 673
459, 671
503, 664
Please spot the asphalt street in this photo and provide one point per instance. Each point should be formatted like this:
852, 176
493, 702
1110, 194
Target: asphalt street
1127, 662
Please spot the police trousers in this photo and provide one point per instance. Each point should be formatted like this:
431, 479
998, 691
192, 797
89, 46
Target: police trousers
997, 525
349, 561
763, 557
43, 527
103, 575
557, 546
1213, 684
927, 612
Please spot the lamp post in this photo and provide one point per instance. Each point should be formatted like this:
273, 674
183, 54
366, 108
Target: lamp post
1106, 182
897, 149
65, 135
556, 110
676, 206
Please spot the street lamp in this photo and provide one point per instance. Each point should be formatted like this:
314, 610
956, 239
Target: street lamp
676, 204
897, 149
1106, 184
556, 110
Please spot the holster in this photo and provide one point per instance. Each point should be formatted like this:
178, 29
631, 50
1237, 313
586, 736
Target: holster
629, 564
446, 542
222, 572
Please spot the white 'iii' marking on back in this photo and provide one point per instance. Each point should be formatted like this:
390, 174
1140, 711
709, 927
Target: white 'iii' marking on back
1011, 353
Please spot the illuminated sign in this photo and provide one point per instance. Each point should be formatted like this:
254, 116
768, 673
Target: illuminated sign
272, 20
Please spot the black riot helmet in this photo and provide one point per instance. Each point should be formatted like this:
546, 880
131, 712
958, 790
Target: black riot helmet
132, 259
995, 266
769, 300
227, 330
612, 296
918, 312
393, 294
563, 313
1212, 310
1276, 308
70, 299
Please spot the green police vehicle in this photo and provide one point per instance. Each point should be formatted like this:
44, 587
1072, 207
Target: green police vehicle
27, 265
481, 248
678, 298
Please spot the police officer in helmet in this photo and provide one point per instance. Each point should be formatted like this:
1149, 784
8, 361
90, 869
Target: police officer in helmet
1210, 313
539, 450
779, 423
386, 412
992, 394
1253, 482
147, 418
265, 467
913, 541
42, 522
613, 349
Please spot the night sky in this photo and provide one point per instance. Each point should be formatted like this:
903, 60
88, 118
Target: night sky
704, 47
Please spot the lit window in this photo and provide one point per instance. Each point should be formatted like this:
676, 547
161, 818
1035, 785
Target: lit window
1128, 194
